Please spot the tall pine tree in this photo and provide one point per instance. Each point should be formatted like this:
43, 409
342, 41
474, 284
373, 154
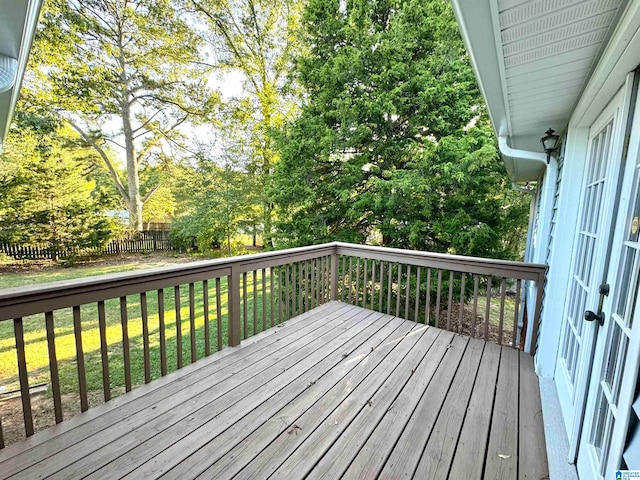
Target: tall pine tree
393, 142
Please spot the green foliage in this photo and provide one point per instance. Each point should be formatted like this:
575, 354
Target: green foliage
46, 190
259, 40
215, 201
393, 143
124, 74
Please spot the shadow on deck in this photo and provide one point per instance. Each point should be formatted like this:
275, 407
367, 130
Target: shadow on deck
337, 392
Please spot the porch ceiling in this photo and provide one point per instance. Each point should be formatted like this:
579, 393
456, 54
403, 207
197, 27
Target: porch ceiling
533, 59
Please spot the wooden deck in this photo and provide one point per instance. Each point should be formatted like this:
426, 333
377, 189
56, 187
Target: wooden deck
338, 392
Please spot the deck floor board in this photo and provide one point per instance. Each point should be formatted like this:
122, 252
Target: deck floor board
338, 392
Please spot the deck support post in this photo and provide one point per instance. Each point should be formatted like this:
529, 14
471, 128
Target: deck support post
334, 274
536, 315
234, 306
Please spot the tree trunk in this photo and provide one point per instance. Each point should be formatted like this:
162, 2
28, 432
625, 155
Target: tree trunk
134, 204
133, 175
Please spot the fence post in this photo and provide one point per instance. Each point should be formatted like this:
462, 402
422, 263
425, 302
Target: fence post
334, 274
234, 306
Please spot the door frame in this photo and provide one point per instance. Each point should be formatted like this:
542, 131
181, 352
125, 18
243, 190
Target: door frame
632, 361
572, 399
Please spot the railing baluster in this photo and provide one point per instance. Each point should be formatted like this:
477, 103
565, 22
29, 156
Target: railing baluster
407, 293
192, 322
264, 299
104, 353
334, 275
82, 377
272, 286
126, 354
294, 290
438, 292
462, 292
299, 288
373, 284
417, 305
389, 287
350, 279
53, 366
474, 331
381, 286
398, 290
219, 311
516, 313
205, 311
327, 278
488, 311
364, 287
318, 280
427, 300
307, 286
503, 294
321, 281
24, 376
342, 276
287, 292
176, 298
312, 288
145, 337
450, 300
245, 308
163, 333
357, 297
255, 302
279, 297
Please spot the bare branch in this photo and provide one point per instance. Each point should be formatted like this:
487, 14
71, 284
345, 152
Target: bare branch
150, 193
104, 156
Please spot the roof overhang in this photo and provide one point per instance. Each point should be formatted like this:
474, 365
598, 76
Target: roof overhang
18, 24
538, 62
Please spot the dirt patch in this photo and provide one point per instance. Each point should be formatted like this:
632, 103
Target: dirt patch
42, 412
475, 326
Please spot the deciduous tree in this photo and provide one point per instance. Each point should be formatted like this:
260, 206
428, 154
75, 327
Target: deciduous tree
121, 72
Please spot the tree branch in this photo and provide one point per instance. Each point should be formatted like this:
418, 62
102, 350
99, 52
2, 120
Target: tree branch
150, 193
104, 156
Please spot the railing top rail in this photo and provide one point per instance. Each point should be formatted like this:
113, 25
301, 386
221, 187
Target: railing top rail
22, 301
485, 266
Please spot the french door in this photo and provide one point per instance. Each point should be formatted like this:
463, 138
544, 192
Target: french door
616, 352
590, 246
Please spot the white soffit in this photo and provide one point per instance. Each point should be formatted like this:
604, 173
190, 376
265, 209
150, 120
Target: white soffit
549, 48
533, 59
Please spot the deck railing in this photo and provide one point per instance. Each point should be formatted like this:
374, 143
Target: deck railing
130, 328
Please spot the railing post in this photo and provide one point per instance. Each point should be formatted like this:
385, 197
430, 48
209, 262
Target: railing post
536, 313
334, 274
234, 306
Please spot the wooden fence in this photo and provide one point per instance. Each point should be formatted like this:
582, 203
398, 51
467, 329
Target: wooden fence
142, 242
